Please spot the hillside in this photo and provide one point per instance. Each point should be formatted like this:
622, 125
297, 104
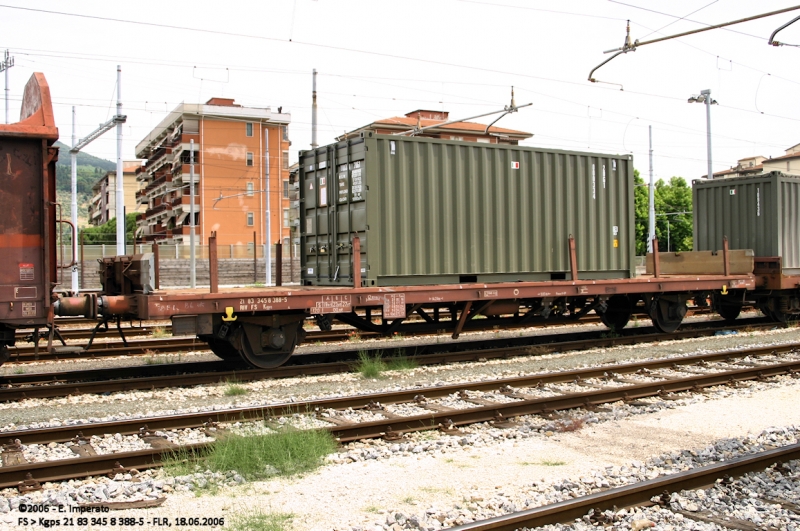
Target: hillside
90, 169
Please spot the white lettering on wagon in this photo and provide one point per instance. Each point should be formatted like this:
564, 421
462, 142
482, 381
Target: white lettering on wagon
333, 304
490, 293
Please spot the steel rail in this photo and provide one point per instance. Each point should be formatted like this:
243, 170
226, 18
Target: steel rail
26, 354
80, 467
636, 494
194, 420
59, 384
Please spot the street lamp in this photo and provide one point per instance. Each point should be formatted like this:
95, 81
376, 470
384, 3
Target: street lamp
705, 97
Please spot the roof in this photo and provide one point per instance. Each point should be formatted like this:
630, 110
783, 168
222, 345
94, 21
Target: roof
413, 120
410, 123
795, 155
739, 171
200, 110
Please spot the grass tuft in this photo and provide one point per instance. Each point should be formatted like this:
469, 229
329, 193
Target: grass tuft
257, 520
370, 367
399, 362
287, 452
258, 456
234, 389
159, 332
153, 359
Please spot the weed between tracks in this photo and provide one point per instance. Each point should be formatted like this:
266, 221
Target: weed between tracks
234, 389
152, 358
374, 366
258, 520
259, 456
160, 332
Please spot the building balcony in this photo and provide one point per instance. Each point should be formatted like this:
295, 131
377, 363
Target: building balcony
185, 138
157, 210
184, 202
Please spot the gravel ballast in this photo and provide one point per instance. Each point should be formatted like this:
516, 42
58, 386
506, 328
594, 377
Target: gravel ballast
430, 480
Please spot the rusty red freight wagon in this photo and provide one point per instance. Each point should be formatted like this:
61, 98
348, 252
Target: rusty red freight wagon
264, 325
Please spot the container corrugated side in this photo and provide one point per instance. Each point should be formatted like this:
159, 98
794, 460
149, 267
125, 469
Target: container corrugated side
759, 212
446, 211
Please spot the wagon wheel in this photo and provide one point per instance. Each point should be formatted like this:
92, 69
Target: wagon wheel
778, 316
729, 312
617, 313
666, 314
268, 347
223, 349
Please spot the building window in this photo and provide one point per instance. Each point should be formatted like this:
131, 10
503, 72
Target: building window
286, 133
456, 138
285, 217
286, 189
249, 158
285, 160
250, 189
250, 219
249, 128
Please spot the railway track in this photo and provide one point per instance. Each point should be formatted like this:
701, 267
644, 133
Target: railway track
638, 493
498, 401
16, 387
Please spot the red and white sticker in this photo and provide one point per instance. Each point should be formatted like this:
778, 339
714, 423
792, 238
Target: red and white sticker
514, 164
26, 272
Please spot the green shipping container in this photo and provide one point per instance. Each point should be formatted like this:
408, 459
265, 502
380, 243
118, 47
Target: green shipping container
431, 211
760, 212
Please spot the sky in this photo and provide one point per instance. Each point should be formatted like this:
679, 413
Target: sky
377, 59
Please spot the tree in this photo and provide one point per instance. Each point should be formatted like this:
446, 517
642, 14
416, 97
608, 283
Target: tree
673, 206
107, 233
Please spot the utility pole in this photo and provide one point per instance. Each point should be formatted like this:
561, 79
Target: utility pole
651, 233
73, 157
7, 63
192, 256
313, 109
709, 101
268, 228
117, 120
120, 174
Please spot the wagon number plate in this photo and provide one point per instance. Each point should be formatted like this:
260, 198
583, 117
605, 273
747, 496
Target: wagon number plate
394, 306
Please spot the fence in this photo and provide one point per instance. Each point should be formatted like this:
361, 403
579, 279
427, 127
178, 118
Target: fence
237, 265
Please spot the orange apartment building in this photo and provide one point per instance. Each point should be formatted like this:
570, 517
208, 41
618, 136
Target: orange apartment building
240, 154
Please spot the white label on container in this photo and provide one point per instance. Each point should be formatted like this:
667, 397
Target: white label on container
514, 164
323, 195
758, 202
614, 165
355, 185
310, 271
323, 164
392, 146
616, 230
309, 225
28, 309
604, 176
594, 179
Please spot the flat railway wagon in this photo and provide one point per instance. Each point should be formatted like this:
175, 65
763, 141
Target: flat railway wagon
762, 213
569, 259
